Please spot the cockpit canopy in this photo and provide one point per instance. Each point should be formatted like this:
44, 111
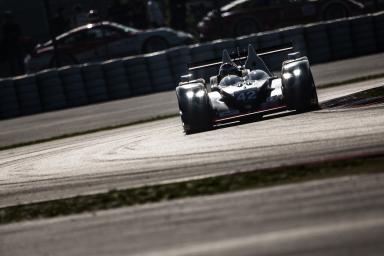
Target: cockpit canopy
257, 75
230, 80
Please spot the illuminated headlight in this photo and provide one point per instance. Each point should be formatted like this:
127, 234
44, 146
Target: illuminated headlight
197, 94
190, 94
200, 93
297, 72
287, 76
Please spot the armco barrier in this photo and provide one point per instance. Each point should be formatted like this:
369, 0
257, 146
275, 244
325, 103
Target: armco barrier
179, 59
295, 36
316, 37
243, 41
137, 75
220, 45
118, 86
201, 53
137, 72
160, 72
271, 39
363, 35
73, 85
378, 19
95, 84
51, 90
9, 106
339, 33
28, 94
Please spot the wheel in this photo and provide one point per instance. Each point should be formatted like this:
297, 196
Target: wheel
245, 27
299, 89
195, 108
314, 104
335, 11
61, 60
155, 44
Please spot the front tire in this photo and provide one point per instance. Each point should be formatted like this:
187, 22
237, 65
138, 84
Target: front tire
195, 108
299, 89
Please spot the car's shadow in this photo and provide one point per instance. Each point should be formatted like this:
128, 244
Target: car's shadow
255, 119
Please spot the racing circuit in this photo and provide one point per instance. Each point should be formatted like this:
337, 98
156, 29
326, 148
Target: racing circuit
316, 218
158, 152
339, 213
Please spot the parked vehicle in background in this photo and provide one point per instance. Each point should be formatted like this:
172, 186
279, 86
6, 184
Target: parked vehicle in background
243, 17
102, 41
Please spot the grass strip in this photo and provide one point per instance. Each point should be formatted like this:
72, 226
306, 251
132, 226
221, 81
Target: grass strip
207, 186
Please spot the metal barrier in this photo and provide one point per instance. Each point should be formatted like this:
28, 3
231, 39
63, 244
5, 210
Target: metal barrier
28, 94
318, 44
73, 85
131, 76
9, 105
138, 75
117, 82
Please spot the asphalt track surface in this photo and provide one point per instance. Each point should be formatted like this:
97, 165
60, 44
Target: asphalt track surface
114, 113
343, 216
159, 152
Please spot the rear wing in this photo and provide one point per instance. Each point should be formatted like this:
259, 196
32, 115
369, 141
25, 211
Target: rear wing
263, 52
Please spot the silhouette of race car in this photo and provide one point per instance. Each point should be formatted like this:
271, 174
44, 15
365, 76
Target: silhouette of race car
102, 41
243, 17
245, 91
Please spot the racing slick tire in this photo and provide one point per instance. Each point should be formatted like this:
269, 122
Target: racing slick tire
299, 89
195, 108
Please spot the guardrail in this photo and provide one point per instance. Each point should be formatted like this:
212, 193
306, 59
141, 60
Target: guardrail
132, 76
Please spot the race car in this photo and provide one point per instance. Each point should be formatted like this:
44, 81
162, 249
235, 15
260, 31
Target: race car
239, 92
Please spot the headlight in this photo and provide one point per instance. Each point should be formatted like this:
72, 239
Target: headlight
297, 72
198, 94
287, 75
190, 94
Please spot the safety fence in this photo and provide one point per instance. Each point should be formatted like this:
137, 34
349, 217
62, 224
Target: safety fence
84, 84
